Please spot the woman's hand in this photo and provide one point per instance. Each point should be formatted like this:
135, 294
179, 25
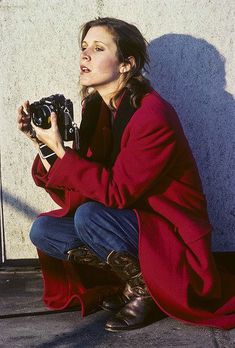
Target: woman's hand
51, 137
24, 121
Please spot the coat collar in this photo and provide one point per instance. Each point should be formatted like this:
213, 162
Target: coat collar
123, 115
90, 118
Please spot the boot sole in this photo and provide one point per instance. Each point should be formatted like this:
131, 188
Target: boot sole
128, 328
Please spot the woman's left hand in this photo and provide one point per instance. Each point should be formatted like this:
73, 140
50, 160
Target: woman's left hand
51, 137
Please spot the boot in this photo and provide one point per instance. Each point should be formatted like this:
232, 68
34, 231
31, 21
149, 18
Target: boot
117, 301
141, 309
84, 255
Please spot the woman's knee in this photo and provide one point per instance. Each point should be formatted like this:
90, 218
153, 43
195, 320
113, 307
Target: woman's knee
38, 230
85, 218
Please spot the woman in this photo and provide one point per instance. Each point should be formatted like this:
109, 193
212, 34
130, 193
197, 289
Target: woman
133, 220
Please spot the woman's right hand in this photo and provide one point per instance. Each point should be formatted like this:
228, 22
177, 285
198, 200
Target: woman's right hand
24, 121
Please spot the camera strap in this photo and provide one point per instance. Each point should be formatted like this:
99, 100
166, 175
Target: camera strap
76, 136
47, 153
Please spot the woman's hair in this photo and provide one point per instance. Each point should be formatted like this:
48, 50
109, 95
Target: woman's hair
129, 42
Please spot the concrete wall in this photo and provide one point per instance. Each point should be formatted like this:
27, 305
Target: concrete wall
192, 56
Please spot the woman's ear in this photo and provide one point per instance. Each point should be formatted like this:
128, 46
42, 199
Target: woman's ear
127, 65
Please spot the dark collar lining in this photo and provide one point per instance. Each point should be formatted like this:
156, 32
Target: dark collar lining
90, 119
124, 113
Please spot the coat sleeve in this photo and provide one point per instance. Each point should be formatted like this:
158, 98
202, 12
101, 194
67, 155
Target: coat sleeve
61, 196
147, 154
39, 173
40, 177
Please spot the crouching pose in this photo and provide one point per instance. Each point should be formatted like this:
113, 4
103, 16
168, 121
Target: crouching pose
132, 234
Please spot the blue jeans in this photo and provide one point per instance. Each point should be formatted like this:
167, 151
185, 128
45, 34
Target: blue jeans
101, 228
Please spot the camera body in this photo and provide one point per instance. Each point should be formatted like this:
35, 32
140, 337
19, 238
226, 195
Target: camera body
40, 112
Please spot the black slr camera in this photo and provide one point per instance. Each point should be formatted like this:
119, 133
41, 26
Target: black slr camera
40, 112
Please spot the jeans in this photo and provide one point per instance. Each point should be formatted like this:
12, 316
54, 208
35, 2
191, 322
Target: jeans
101, 228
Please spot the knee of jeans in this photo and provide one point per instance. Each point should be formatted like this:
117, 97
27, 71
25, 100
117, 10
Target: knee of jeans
84, 217
38, 230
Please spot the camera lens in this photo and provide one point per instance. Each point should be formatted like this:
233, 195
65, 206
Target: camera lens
41, 116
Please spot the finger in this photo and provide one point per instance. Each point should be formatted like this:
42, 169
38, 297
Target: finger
26, 105
21, 117
24, 127
20, 126
20, 110
20, 113
54, 120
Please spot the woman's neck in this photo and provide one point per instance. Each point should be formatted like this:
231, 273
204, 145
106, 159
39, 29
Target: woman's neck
109, 91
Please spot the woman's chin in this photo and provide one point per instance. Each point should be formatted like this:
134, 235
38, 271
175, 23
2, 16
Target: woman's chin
84, 81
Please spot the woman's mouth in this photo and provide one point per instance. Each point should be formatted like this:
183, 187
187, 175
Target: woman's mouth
84, 69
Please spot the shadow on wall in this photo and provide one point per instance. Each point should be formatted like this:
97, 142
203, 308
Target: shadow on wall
190, 74
19, 205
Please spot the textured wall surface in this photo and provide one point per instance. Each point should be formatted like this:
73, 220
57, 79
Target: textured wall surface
192, 56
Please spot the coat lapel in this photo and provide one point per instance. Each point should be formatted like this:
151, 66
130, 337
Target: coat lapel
90, 116
123, 115
90, 119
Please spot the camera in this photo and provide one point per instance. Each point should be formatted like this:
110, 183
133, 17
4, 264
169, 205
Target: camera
40, 112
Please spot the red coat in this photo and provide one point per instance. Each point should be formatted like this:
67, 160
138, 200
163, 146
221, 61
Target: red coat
151, 170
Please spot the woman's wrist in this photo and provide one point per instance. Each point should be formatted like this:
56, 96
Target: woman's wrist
60, 151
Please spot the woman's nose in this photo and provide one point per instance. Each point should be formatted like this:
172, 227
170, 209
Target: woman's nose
85, 55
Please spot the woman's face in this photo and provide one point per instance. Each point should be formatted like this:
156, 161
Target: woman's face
99, 65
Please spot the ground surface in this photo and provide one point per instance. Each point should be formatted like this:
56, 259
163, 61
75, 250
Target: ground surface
25, 322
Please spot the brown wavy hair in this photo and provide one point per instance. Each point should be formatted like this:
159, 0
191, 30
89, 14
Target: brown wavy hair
129, 42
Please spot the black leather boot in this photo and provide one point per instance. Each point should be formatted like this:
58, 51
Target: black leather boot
84, 255
116, 301
141, 310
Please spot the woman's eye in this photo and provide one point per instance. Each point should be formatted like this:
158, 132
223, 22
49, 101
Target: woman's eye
96, 48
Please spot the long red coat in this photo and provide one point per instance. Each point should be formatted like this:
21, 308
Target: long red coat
145, 165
